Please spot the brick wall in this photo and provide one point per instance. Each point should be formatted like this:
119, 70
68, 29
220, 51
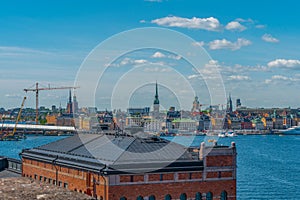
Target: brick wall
73, 179
159, 190
219, 161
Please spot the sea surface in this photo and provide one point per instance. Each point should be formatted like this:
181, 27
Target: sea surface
268, 166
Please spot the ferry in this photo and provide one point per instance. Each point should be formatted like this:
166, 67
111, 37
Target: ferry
295, 130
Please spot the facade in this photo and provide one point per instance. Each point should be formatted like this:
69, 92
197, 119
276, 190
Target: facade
95, 165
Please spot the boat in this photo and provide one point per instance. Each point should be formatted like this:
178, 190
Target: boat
295, 130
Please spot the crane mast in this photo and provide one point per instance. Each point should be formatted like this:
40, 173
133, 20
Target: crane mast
37, 89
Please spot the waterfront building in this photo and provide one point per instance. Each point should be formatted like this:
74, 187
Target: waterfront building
185, 124
204, 123
98, 165
172, 114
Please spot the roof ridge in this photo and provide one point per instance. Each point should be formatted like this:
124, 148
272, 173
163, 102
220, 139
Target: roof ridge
85, 143
124, 150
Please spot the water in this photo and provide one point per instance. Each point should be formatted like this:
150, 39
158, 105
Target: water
268, 166
12, 149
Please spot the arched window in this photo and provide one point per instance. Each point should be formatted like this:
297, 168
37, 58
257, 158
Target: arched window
198, 196
140, 198
223, 195
123, 198
168, 197
152, 197
209, 196
183, 196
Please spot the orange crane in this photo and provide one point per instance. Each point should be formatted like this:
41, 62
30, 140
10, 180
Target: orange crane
37, 89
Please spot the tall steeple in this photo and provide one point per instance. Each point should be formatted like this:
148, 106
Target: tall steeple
156, 100
70, 96
229, 104
69, 104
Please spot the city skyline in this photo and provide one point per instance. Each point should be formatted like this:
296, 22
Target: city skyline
255, 52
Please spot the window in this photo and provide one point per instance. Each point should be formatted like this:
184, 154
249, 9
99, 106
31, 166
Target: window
209, 196
223, 195
168, 197
198, 196
183, 196
35, 176
60, 184
66, 185
131, 178
123, 198
190, 175
45, 179
54, 182
41, 178
50, 180
140, 198
152, 197
161, 177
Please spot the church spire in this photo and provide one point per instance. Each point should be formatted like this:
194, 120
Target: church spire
70, 97
156, 100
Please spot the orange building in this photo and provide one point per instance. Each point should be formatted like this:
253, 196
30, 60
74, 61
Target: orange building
120, 167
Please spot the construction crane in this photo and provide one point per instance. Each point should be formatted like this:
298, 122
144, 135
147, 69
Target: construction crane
11, 135
37, 89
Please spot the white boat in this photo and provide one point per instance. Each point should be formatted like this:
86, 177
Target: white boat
295, 130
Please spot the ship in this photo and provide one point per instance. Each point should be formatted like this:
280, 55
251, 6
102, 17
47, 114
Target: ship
295, 130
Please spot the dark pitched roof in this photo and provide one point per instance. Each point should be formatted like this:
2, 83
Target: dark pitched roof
122, 153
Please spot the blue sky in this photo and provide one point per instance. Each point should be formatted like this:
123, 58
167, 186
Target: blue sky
255, 44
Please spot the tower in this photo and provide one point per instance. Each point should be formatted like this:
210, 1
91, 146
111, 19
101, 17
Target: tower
75, 104
229, 104
69, 104
156, 102
196, 105
238, 103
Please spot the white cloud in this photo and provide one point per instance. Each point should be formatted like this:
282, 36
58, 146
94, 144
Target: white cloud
13, 50
239, 78
284, 63
280, 78
210, 24
260, 26
269, 38
158, 55
157, 69
234, 25
193, 76
249, 20
225, 44
200, 44
140, 61
142, 21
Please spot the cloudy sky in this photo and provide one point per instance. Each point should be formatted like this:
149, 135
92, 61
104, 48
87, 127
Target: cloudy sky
254, 45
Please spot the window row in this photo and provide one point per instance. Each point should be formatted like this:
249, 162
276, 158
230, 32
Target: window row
183, 196
49, 180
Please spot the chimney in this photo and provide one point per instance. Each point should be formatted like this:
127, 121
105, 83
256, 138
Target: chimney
202, 149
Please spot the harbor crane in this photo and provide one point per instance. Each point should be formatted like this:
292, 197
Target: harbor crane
10, 136
37, 89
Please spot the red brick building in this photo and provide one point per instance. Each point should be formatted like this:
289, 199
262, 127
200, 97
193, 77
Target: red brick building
114, 167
